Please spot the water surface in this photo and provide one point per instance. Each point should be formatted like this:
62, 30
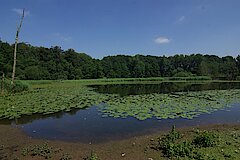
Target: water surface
88, 126
164, 87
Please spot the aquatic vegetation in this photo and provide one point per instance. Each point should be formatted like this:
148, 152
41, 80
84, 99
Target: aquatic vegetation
162, 106
48, 99
56, 96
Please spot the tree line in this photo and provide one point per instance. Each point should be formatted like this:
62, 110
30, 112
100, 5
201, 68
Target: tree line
41, 63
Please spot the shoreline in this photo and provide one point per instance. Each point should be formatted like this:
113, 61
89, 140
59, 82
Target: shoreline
13, 140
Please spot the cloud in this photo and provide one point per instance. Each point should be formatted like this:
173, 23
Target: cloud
19, 11
62, 38
162, 40
181, 19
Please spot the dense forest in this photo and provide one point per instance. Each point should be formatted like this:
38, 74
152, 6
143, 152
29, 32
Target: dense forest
54, 63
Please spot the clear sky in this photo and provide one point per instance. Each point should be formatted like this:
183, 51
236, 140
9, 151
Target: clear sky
109, 27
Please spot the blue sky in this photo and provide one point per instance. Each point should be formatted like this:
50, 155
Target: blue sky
109, 27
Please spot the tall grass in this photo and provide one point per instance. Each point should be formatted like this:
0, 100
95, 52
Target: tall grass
19, 86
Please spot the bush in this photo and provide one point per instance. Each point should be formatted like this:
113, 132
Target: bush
172, 146
205, 139
183, 74
19, 86
43, 150
93, 156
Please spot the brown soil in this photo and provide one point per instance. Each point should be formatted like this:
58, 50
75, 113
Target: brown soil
13, 140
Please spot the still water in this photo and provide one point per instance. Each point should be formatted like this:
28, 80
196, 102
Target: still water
88, 125
165, 87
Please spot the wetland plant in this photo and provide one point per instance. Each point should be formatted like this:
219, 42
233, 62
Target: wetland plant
93, 156
206, 139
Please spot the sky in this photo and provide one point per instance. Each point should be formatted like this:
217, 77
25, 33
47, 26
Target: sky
110, 27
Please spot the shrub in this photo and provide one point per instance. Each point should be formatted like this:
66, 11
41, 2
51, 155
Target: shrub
183, 74
19, 86
39, 150
93, 156
170, 148
205, 139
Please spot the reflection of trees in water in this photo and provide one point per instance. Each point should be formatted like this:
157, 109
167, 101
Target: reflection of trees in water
31, 118
165, 87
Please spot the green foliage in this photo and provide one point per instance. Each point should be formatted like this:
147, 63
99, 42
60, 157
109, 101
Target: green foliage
173, 135
42, 150
19, 86
172, 149
93, 156
183, 74
205, 139
47, 97
163, 106
199, 145
39, 63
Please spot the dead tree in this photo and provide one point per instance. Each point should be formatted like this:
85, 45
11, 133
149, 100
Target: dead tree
15, 50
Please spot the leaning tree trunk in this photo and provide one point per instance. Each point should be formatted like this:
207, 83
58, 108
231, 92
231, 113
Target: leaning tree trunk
15, 50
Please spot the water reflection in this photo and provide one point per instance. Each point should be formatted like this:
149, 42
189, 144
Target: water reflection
165, 87
88, 125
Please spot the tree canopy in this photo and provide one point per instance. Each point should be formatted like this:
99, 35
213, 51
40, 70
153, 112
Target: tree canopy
40, 63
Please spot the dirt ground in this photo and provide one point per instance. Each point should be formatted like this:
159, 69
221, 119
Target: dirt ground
13, 142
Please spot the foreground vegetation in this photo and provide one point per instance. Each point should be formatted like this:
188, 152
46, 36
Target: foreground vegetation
199, 145
37, 63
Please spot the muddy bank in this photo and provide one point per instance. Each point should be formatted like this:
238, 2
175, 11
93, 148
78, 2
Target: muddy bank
13, 141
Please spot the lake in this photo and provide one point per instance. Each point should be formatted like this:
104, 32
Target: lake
140, 109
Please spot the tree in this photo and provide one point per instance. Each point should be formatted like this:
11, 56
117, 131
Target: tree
238, 63
15, 49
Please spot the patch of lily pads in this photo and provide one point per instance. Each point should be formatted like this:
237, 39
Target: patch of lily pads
49, 99
65, 96
163, 106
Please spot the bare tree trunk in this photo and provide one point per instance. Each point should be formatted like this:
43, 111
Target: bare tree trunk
2, 85
15, 50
